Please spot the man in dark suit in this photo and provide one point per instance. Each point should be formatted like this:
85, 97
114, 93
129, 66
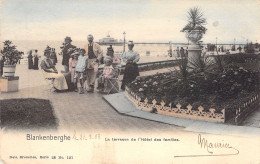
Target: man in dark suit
67, 51
1, 64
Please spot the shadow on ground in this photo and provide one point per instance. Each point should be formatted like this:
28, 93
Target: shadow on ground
27, 113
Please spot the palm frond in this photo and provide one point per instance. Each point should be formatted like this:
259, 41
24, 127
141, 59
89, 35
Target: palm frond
196, 20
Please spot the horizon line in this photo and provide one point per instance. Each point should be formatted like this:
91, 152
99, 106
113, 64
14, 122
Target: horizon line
140, 42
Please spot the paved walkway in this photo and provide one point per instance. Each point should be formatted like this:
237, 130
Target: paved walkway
81, 111
88, 111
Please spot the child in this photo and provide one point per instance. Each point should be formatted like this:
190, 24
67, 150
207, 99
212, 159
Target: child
80, 68
72, 65
108, 73
116, 58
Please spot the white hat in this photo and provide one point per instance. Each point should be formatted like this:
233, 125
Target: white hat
130, 42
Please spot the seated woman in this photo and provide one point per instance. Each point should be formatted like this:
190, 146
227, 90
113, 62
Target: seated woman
109, 72
50, 72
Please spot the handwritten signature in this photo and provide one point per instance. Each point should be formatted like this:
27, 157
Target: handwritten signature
81, 136
210, 146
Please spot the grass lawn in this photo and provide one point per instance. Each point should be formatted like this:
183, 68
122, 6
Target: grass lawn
27, 113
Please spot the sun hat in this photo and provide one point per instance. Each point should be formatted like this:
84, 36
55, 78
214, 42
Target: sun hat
108, 59
68, 38
47, 49
75, 54
130, 42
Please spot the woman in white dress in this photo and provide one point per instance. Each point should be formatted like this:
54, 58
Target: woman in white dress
50, 72
131, 69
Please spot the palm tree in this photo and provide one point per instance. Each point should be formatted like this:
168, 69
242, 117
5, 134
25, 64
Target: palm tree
195, 21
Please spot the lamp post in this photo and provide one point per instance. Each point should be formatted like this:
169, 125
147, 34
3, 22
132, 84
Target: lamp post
124, 41
234, 44
216, 45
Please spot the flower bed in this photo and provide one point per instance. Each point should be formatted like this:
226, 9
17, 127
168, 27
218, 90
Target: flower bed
175, 110
214, 97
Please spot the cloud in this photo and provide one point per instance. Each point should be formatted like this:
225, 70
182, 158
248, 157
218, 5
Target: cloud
149, 21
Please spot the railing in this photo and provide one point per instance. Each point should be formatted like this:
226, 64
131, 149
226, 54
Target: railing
245, 109
154, 65
151, 65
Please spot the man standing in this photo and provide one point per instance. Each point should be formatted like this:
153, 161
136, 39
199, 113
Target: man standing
182, 53
178, 52
1, 64
67, 51
95, 53
53, 56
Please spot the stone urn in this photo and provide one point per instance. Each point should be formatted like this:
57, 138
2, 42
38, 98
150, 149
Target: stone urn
194, 36
194, 49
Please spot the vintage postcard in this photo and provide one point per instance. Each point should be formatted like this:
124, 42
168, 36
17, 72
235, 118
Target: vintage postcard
131, 81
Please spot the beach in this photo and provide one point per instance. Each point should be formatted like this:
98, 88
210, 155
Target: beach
158, 52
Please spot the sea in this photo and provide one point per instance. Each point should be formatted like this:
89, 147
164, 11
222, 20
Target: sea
148, 52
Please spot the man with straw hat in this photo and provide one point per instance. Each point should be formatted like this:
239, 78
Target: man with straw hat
94, 53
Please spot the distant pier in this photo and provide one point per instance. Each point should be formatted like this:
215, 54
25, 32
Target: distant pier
185, 44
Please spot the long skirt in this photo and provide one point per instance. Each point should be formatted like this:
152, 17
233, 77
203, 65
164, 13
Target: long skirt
130, 73
1, 67
36, 62
73, 80
59, 80
30, 63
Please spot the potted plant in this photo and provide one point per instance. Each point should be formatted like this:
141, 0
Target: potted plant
10, 56
195, 29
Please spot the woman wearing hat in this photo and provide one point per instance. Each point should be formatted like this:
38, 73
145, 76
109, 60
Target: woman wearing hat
66, 53
30, 60
72, 65
131, 69
36, 60
50, 72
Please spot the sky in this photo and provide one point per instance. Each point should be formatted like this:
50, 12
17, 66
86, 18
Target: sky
143, 21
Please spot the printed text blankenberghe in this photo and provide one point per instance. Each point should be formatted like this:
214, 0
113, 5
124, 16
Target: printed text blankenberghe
47, 137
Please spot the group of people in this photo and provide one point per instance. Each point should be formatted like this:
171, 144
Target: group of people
181, 52
83, 64
33, 59
53, 55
